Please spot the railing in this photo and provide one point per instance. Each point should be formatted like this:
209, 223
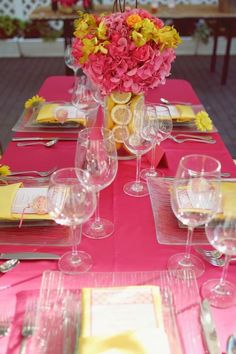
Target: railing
22, 8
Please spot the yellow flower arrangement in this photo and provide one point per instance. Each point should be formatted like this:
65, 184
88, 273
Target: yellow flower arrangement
33, 101
4, 170
203, 121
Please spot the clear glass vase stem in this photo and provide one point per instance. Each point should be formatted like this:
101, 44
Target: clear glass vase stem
153, 158
138, 165
225, 270
76, 232
188, 244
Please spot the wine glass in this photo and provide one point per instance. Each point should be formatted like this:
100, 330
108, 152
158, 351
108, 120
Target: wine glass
195, 197
221, 233
138, 140
71, 62
71, 201
161, 127
96, 153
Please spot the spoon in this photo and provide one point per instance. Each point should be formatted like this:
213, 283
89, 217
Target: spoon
8, 265
48, 144
165, 101
231, 345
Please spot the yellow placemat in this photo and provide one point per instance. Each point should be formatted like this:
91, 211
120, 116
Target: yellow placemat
228, 190
122, 320
182, 113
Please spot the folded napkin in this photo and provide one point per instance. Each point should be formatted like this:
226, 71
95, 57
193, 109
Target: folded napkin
228, 190
7, 197
59, 113
181, 113
122, 320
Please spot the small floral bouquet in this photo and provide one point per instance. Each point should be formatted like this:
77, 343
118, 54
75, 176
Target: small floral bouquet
128, 51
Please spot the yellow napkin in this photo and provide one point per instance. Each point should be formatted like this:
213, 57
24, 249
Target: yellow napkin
228, 190
122, 320
58, 113
7, 195
145, 341
182, 113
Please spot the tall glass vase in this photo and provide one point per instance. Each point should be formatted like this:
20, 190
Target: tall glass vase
118, 116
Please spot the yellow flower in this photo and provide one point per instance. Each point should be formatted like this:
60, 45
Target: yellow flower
86, 24
138, 39
168, 37
203, 121
102, 29
4, 170
144, 31
101, 47
88, 48
132, 19
33, 101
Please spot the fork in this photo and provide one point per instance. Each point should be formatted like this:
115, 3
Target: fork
5, 322
208, 253
28, 326
200, 137
178, 140
39, 173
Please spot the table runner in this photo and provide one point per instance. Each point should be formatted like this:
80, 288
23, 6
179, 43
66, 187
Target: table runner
133, 245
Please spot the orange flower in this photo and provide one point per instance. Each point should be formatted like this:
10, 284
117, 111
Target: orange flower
132, 19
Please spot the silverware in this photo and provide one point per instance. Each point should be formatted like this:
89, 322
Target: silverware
48, 144
8, 265
39, 173
208, 253
201, 137
209, 329
165, 101
231, 345
178, 140
34, 138
28, 323
5, 322
218, 262
30, 256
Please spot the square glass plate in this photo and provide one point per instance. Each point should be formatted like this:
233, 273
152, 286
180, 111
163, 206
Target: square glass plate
32, 232
28, 123
180, 307
191, 126
169, 231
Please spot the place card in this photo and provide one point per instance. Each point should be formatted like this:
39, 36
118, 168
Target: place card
30, 200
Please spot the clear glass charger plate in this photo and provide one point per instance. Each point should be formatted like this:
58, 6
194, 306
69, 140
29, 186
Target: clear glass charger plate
190, 126
28, 123
32, 232
180, 307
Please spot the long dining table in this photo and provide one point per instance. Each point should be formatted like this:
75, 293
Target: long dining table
133, 246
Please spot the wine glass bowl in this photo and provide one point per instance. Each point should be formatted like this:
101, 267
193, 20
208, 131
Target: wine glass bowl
160, 126
71, 63
195, 197
71, 202
96, 153
221, 233
137, 140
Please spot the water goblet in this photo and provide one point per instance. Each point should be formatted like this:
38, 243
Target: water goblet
138, 140
221, 233
71, 202
195, 197
71, 62
96, 153
161, 127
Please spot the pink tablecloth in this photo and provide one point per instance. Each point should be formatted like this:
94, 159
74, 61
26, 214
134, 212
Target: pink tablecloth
133, 245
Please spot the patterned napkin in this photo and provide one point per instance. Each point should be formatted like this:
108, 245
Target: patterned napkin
59, 113
181, 113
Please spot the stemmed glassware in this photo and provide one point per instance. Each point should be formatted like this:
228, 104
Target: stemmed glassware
161, 127
71, 202
71, 62
138, 140
96, 153
221, 233
195, 197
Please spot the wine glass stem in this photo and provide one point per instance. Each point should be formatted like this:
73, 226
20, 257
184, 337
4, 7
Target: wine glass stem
225, 270
75, 239
153, 157
138, 165
97, 221
188, 243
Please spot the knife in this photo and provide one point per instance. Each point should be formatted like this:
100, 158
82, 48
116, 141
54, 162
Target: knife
33, 138
29, 256
209, 328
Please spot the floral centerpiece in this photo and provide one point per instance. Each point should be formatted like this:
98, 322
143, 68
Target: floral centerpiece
124, 54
